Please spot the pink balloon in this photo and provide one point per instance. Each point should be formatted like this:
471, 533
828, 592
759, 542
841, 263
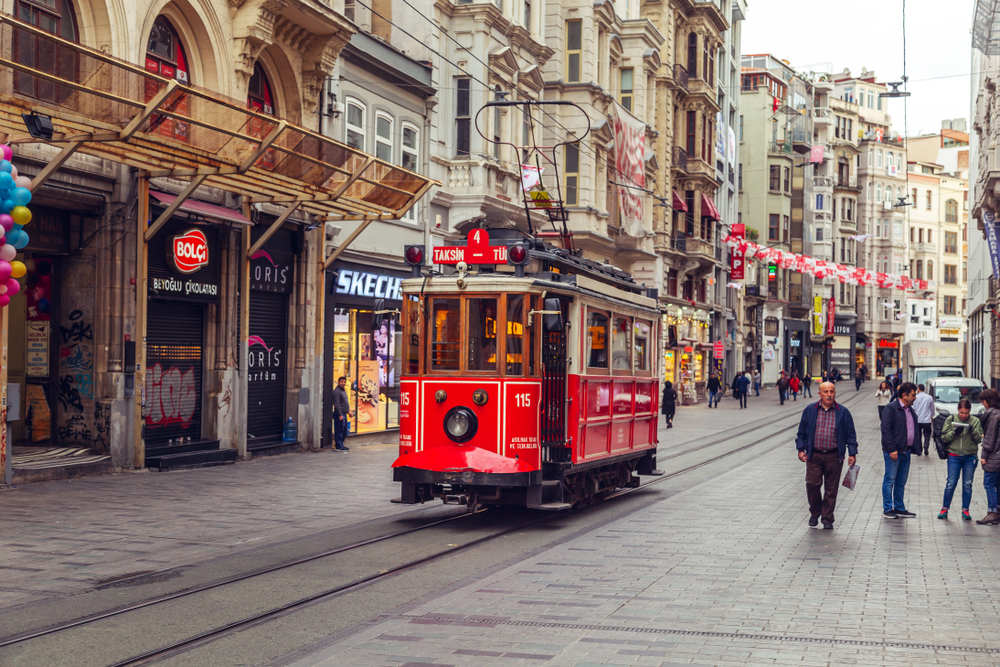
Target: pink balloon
13, 172
13, 287
3, 287
8, 252
6, 222
4, 300
5, 270
23, 182
8, 152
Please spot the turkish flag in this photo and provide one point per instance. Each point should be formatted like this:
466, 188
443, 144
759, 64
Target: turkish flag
777, 103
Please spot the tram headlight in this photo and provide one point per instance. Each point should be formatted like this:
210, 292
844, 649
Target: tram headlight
460, 424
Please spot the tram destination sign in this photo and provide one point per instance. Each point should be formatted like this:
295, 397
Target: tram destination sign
477, 251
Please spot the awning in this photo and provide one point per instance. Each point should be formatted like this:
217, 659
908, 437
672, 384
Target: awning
708, 209
116, 110
201, 208
679, 204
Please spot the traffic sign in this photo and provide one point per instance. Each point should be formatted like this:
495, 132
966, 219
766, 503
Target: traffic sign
477, 251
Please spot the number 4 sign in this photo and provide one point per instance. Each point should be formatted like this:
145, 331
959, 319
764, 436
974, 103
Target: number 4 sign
477, 251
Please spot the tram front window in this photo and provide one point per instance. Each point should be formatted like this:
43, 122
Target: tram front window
621, 359
597, 340
482, 316
447, 334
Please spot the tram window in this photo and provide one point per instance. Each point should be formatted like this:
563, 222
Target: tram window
515, 334
482, 318
411, 336
621, 357
447, 334
641, 345
597, 340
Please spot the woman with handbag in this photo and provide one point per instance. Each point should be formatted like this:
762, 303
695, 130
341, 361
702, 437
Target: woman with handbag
668, 406
962, 434
883, 396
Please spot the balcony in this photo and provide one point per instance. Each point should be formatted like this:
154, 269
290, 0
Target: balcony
680, 159
822, 183
928, 248
822, 216
822, 116
697, 248
847, 183
780, 148
681, 76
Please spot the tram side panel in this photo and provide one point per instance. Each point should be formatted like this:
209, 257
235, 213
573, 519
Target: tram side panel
612, 416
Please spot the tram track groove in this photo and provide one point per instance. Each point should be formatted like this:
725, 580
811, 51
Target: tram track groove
214, 634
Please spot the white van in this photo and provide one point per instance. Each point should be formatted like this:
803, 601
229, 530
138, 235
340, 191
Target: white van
948, 391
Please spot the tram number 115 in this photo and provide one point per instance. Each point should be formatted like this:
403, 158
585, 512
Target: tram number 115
522, 400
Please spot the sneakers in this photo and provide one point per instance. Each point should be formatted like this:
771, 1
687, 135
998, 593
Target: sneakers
990, 519
813, 521
342, 449
966, 516
906, 514
944, 513
827, 525
889, 514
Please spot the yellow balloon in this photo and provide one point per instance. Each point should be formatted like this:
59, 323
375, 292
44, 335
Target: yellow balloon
21, 215
17, 269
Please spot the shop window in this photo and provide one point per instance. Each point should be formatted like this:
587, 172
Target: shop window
515, 335
355, 124
165, 56
597, 340
621, 357
482, 318
383, 137
446, 334
641, 345
52, 16
411, 334
372, 360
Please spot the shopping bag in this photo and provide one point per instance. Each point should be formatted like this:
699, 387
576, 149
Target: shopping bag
851, 478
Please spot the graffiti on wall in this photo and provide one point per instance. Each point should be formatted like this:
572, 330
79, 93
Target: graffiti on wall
173, 396
75, 423
102, 426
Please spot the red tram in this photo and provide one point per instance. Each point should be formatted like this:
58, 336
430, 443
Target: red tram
534, 383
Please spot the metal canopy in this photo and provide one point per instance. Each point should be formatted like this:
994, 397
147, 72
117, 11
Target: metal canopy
986, 28
112, 109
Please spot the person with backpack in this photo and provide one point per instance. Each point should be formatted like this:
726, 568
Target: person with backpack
961, 435
668, 406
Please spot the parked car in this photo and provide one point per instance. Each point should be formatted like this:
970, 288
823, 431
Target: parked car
948, 391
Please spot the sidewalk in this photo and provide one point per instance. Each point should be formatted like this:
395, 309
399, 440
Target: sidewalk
728, 573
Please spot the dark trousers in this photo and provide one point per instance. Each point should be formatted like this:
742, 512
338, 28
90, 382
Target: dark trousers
339, 431
743, 398
823, 473
668, 413
924, 433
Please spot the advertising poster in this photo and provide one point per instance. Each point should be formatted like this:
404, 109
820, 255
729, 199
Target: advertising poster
817, 315
37, 361
368, 396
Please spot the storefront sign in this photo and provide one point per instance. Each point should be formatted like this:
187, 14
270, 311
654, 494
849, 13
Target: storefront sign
188, 252
372, 285
272, 267
737, 265
37, 361
720, 349
840, 359
830, 314
844, 329
884, 342
49, 230
817, 315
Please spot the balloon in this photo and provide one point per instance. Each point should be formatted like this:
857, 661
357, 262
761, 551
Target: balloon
6, 222
7, 152
44, 305
8, 205
5, 178
5, 270
22, 240
8, 252
5, 166
17, 269
23, 182
13, 287
13, 173
3, 287
21, 215
21, 196
4, 300
13, 236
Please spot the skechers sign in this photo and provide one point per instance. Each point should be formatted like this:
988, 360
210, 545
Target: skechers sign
367, 285
188, 252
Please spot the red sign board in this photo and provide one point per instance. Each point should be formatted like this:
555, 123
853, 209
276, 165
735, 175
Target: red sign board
719, 349
737, 259
188, 252
884, 342
478, 251
830, 312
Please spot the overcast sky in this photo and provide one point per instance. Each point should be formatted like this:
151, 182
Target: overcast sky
854, 34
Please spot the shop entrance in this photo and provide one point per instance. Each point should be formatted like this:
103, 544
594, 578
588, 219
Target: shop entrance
174, 348
266, 360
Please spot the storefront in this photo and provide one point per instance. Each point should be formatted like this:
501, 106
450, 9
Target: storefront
183, 279
842, 349
886, 356
860, 352
369, 358
796, 344
688, 353
272, 280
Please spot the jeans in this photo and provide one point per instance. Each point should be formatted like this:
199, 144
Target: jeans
990, 480
967, 466
857, 384
711, 397
756, 388
806, 391
742, 396
894, 481
781, 395
795, 395
340, 427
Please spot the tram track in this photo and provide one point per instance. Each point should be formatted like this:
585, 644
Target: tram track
193, 641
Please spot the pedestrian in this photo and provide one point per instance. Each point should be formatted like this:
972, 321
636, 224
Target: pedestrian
882, 397
824, 377
756, 382
962, 434
668, 406
899, 435
990, 454
807, 382
714, 389
782, 387
341, 414
743, 387
736, 380
923, 406
794, 384
864, 372
826, 434
858, 379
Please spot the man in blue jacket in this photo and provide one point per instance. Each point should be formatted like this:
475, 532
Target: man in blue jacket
826, 434
900, 429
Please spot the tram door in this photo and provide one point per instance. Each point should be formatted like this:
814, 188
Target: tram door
554, 382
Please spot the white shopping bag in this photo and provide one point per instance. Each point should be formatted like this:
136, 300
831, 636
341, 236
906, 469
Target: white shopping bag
851, 478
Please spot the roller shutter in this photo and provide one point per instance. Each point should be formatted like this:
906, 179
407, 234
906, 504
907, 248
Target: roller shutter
267, 356
174, 346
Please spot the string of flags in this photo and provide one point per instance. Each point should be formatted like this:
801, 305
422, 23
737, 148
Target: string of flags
822, 269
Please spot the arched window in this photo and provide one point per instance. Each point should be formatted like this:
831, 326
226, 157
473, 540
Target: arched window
356, 124
383, 136
56, 17
951, 211
165, 56
261, 100
879, 153
930, 270
693, 55
878, 193
892, 159
920, 270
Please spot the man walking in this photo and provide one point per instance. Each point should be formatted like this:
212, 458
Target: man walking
714, 388
807, 382
756, 382
899, 434
782, 386
743, 388
826, 434
341, 413
923, 407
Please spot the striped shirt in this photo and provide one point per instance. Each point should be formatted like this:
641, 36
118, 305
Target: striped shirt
826, 429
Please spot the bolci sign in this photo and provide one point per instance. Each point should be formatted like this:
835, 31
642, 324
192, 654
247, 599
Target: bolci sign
188, 252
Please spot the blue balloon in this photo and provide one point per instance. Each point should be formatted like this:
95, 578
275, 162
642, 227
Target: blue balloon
22, 240
14, 236
44, 305
7, 181
17, 226
5, 166
8, 204
21, 196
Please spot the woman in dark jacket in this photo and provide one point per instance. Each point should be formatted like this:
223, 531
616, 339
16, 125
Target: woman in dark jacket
990, 454
668, 406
